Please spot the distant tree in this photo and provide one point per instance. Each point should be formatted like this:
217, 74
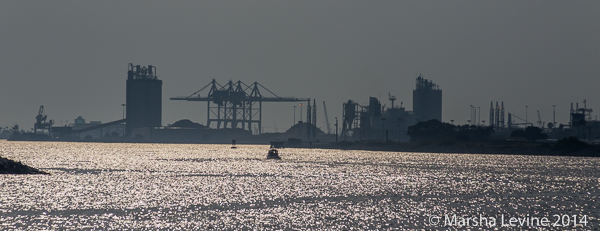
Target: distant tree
570, 144
472, 132
517, 133
530, 133
431, 130
15, 129
482, 133
463, 132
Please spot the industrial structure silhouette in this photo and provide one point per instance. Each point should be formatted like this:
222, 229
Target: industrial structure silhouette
234, 112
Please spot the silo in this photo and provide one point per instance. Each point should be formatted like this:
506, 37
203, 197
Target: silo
143, 98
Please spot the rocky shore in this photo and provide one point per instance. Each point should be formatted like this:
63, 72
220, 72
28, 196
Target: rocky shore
8, 166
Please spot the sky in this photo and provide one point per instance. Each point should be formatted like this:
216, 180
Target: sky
72, 56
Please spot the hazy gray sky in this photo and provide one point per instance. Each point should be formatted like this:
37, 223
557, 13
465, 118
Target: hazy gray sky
72, 56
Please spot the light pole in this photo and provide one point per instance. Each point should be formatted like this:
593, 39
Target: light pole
301, 111
294, 122
123, 105
471, 115
336, 130
554, 114
479, 118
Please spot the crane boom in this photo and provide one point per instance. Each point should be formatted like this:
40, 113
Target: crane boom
326, 118
513, 115
40, 121
41, 118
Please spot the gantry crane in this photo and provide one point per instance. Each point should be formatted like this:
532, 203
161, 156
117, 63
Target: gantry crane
237, 105
40, 121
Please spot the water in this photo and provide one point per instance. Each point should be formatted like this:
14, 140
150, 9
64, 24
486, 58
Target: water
98, 186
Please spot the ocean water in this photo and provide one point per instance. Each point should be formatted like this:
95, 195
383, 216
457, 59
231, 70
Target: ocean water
102, 186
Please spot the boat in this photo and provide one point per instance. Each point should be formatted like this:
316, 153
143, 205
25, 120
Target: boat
273, 154
233, 144
277, 144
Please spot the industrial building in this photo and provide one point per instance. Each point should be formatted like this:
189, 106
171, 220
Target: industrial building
497, 116
234, 112
427, 100
581, 123
374, 122
80, 124
143, 98
143, 110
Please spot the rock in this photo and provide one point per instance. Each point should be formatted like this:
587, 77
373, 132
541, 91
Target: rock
8, 166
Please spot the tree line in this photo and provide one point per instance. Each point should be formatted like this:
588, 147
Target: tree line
436, 130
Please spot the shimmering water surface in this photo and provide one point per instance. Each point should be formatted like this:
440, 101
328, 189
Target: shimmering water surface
101, 186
